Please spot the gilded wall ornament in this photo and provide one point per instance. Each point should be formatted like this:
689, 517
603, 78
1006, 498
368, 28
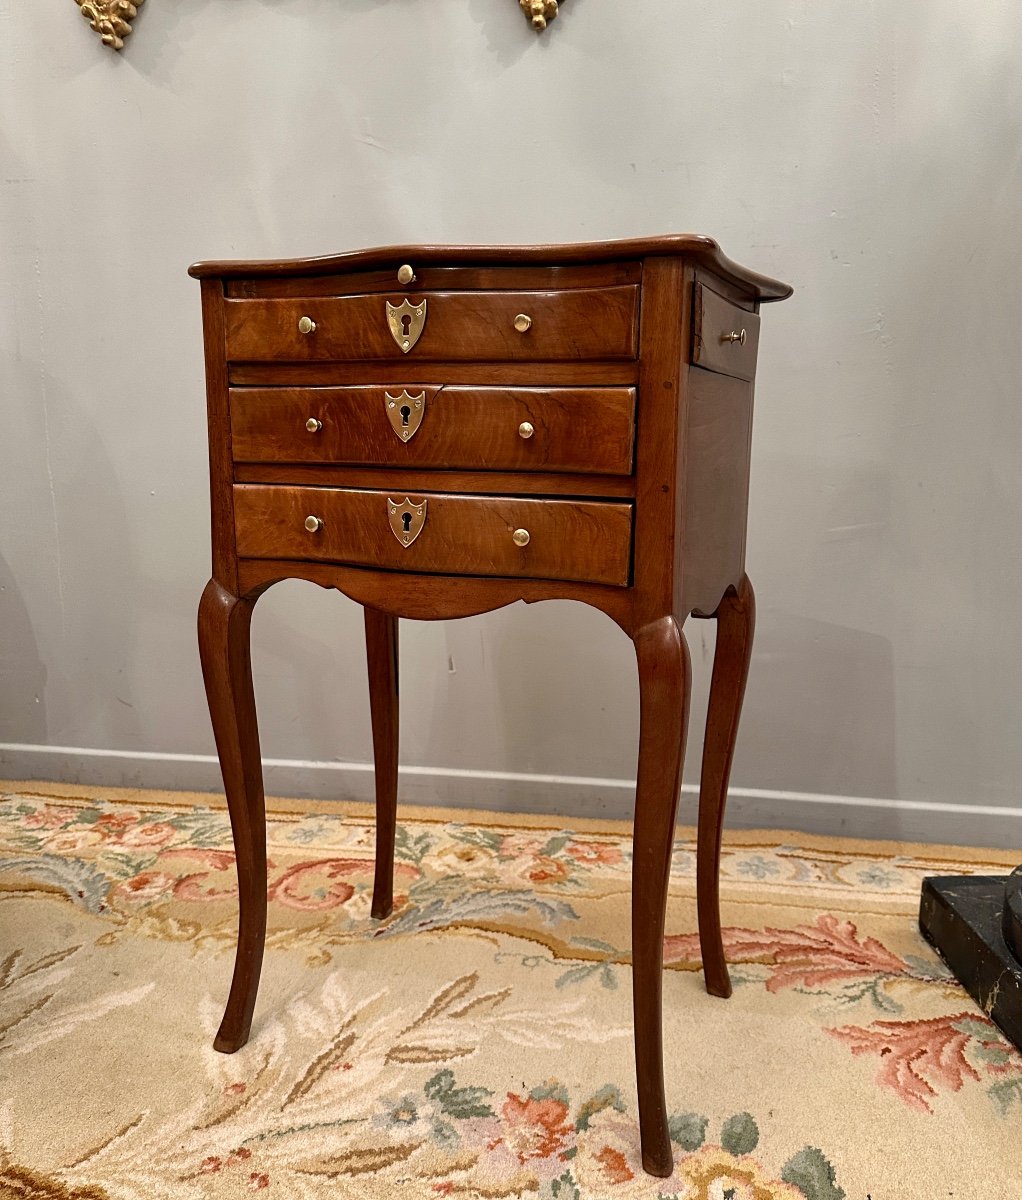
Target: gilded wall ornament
110, 18
539, 12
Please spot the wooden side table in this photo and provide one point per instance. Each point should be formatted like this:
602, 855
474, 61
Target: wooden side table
441, 431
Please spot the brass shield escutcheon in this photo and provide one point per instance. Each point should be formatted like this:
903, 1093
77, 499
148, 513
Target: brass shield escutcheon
405, 413
406, 519
406, 322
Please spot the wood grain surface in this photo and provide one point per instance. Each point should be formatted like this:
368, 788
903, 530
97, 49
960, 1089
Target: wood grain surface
573, 429
464, 535
583, 323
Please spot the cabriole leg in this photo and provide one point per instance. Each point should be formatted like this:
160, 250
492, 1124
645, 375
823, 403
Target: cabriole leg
736, 622
381, 651
224, 621
664, 689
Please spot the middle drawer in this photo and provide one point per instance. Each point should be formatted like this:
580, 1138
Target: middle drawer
585, 430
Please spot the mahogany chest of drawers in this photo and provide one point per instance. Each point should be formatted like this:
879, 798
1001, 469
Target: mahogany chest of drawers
441, 431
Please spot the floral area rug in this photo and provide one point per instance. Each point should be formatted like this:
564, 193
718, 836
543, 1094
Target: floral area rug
478, 1042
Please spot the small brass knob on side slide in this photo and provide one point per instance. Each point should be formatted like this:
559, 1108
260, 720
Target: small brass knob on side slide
521, 537
523, 322
306, 325
405, 274
735, 337
313, 426
526, 429
313, 524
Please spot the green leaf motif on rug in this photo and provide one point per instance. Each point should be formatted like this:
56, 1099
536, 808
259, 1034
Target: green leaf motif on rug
461, 1103
812, 1174
740, 1134
80, 881
607, 1097
412, 849
551, 1090
565, 1188
688, 1130
1006, 1093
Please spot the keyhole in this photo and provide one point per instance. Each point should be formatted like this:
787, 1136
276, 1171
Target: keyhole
406, 412
406, 324
406, 520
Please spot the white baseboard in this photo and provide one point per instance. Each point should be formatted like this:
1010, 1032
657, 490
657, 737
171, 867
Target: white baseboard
565, 795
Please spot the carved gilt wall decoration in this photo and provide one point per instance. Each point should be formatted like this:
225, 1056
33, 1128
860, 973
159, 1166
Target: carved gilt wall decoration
539, 12
111, 19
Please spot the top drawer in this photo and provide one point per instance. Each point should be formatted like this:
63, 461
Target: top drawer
725, 338
581, 323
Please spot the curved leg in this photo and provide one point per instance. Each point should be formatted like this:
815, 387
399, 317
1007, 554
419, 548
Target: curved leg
381, 651
224, 622
736, 622
664, 687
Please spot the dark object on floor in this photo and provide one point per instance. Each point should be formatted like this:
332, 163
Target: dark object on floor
975, 924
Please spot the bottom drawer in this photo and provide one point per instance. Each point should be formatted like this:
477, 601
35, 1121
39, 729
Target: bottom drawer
587, 541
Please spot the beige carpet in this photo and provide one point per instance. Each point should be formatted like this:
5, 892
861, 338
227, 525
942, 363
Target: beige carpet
478, 1043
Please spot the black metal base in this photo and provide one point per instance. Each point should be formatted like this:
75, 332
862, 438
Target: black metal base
965, 918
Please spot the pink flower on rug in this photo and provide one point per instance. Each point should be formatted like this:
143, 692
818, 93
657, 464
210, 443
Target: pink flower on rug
196, 885
258, 1181
810, 956
595, 854
547, 870
71, 841
919, 1057
49, 817
615, 1165
534, 1128
117, 822
317, 885
157, 833
147, 885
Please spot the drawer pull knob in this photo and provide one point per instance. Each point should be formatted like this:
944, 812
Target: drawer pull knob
526, 429
523, 322
406, 519
405, 274
313, 426
735, 337
521, 537
313, 524
306, 325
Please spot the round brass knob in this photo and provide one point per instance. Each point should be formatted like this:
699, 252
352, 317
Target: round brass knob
405, 274
521, 537
526, 429
736, 337
306, 325
313, 524
313, 426
523, 322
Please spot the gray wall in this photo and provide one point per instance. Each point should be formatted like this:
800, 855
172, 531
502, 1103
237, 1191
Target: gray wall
868, 153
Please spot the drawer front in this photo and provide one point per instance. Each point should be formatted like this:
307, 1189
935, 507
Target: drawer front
584, 430
583, 323
725, 338
586, 541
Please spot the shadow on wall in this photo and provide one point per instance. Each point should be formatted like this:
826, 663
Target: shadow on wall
819, 713
23, 698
